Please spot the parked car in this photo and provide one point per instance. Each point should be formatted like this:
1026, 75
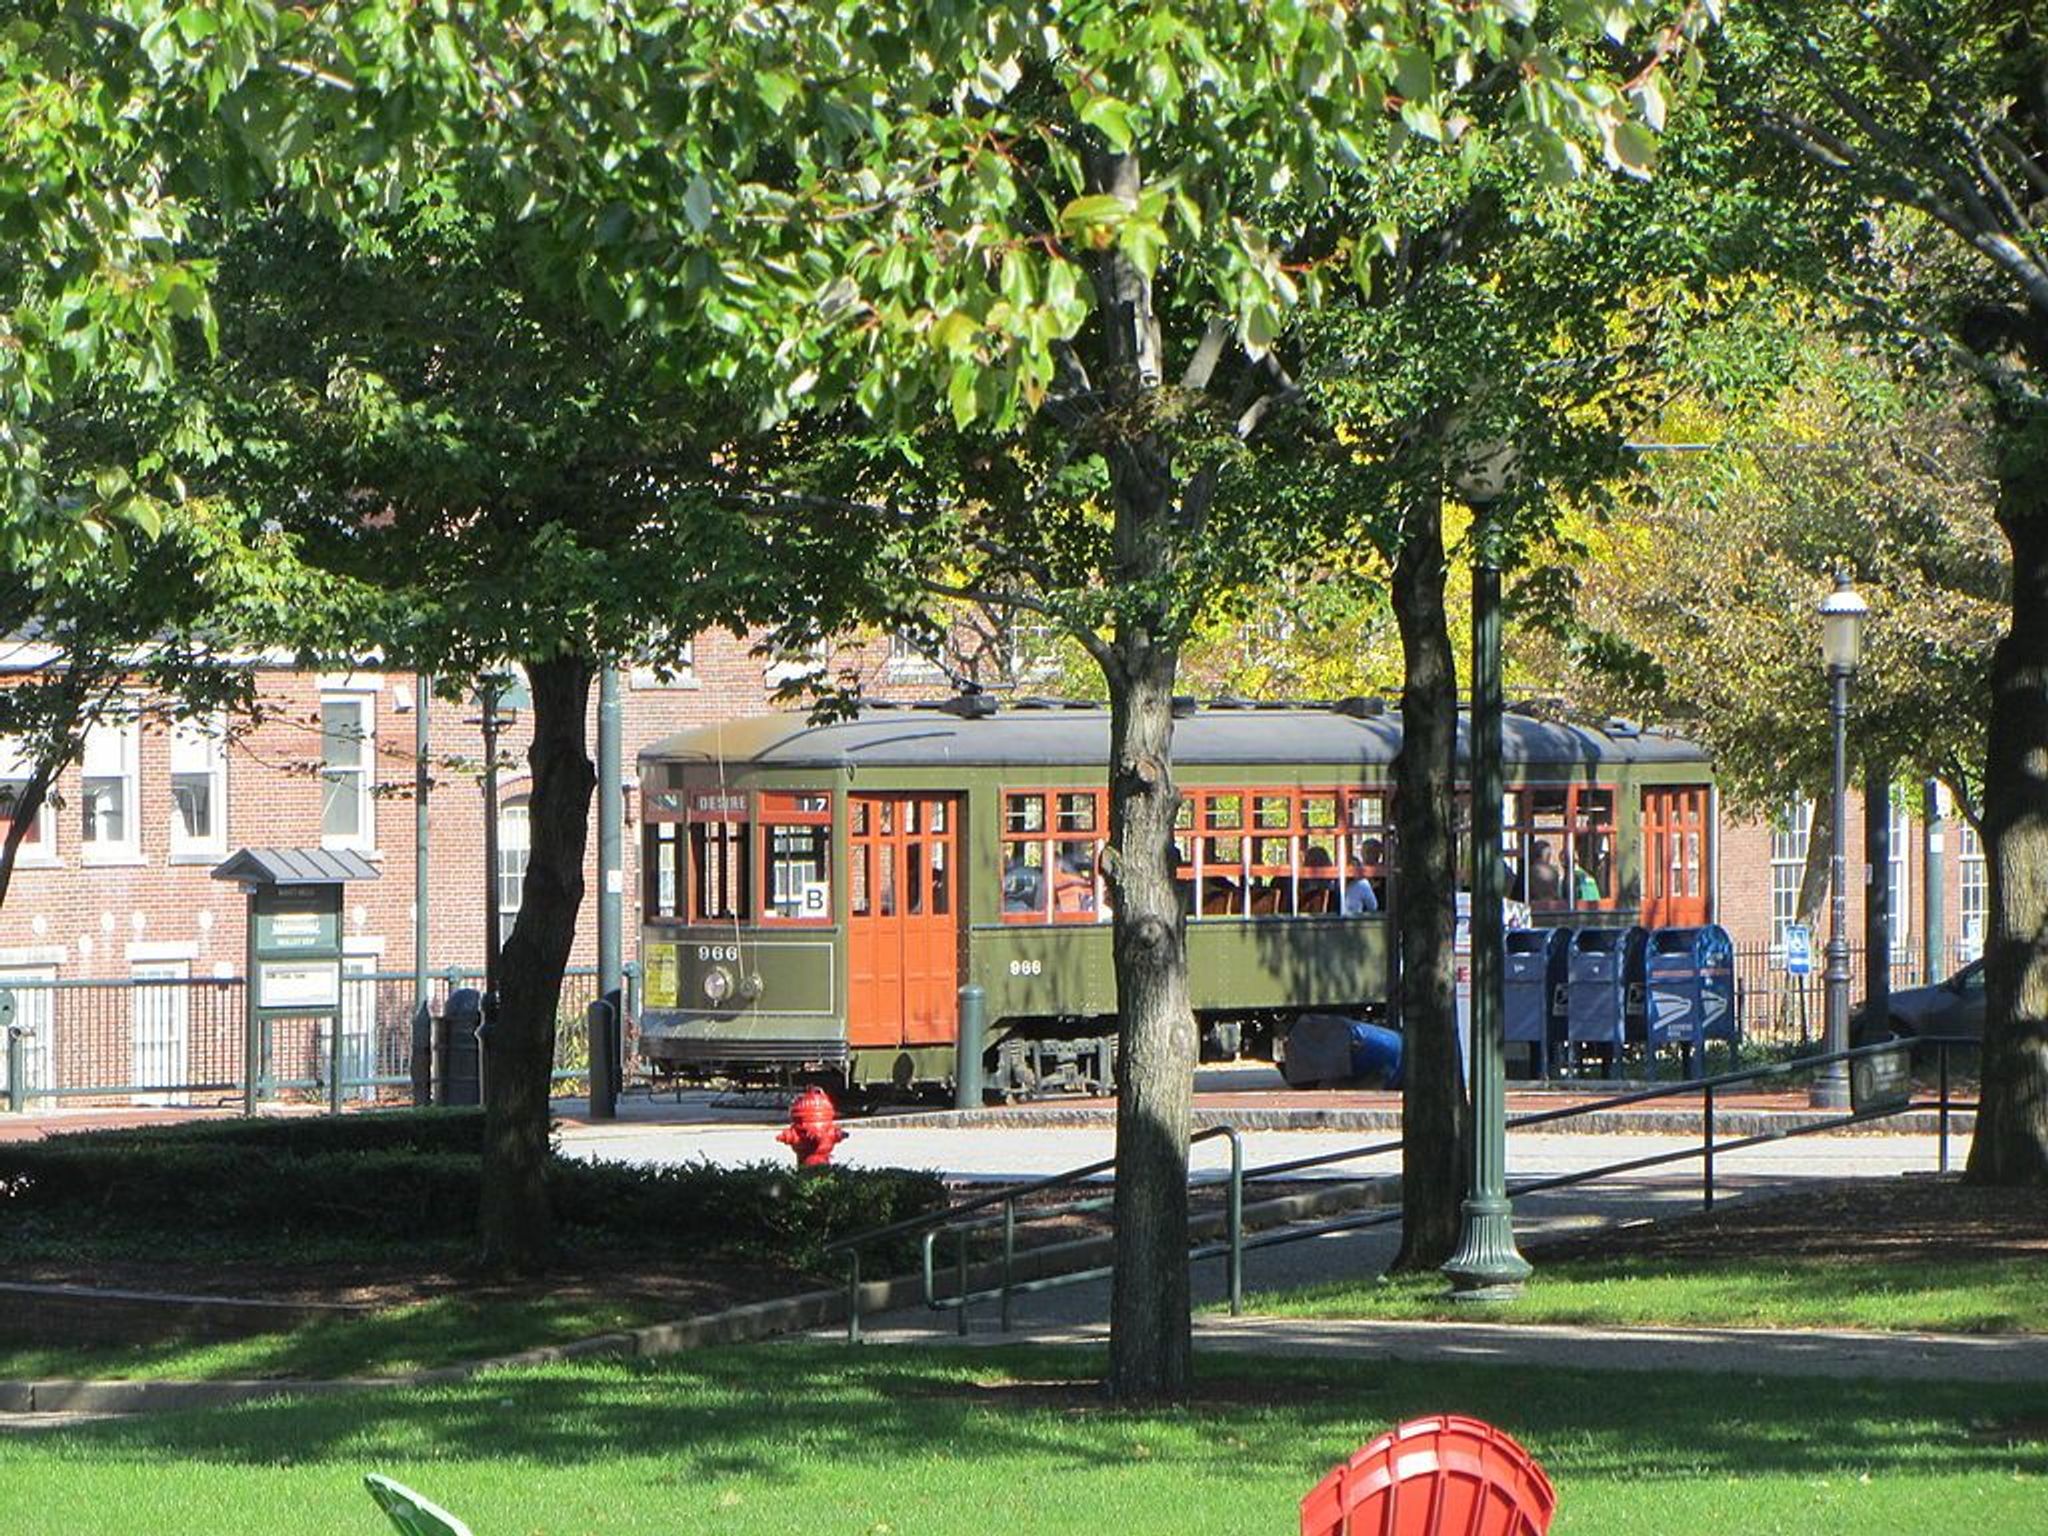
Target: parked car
1954, 1008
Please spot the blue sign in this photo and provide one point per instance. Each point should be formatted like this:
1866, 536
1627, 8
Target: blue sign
1798, 950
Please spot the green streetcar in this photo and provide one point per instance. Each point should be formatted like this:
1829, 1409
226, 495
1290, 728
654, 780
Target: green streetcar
816, 895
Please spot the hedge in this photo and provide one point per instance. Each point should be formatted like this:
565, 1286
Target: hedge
414, 1182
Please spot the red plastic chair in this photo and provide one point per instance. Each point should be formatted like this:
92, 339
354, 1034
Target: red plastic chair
1442, 1476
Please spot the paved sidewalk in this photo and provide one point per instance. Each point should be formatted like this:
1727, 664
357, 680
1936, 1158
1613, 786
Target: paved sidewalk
1743, 1352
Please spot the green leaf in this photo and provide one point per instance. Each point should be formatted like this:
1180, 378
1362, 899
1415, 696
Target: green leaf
1110, 118
777, 89
960, 393
697, 204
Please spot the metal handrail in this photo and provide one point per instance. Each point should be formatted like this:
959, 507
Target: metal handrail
934, 1223
965, 1218
1708, 1151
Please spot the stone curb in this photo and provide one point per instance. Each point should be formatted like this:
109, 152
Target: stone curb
735, 1325
1615, 1122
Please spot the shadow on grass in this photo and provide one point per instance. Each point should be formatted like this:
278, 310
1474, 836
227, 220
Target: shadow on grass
772, 1412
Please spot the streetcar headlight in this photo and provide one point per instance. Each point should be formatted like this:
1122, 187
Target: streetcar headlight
718, 984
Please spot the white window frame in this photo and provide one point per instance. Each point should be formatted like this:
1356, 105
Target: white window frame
364, 772
1973, 897
907, 663
112, 743
790, 666
681, 674
517, 811
204, 743
1899, 906
1034, 652
160, 1020
1788, 864
39, 848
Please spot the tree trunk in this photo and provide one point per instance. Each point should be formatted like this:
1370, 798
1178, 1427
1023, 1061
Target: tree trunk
2011, 1145
1150, 1352
1157, 520
516, 1221
1435, 1113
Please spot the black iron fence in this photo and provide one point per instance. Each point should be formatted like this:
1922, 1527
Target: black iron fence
175, 1040
1776, 1008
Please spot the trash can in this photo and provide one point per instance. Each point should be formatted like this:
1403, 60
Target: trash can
1689, 988
1535, 983
1596, 989
456, 1047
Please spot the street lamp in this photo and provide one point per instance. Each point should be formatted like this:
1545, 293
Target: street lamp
1487, 1266
1842, 613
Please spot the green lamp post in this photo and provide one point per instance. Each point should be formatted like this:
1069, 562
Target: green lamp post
1487, 1266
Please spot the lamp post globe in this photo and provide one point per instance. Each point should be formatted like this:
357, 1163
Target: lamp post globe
1843, 613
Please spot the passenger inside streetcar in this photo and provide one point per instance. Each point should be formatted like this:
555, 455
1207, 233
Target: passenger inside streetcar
1318, 882
1073, 883
1023, 886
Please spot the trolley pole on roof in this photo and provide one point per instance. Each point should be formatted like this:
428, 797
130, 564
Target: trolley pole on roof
1487, 1266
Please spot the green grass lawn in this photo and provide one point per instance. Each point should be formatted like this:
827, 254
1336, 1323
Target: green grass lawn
445, 1331
1960, 1296
779, 1438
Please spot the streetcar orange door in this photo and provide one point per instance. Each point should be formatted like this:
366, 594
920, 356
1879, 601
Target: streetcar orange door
903, 934
1675, 836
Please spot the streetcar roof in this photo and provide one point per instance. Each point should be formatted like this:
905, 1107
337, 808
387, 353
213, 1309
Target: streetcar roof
1244, 736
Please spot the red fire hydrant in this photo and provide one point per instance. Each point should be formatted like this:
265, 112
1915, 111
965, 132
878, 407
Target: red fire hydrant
813, 1129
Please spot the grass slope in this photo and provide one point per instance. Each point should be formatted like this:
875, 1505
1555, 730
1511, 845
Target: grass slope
800, 1437
1982, 1296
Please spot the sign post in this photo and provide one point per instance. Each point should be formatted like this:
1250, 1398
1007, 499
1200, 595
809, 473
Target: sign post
293, 960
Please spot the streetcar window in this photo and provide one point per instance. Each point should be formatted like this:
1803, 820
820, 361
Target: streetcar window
662, 870
796, 843
1052, 857
798, 890
1591, 875
718, 871
1365, 861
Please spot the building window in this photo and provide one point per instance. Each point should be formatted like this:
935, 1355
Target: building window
1899, 905
681, 672
802, 664
1788, 864
347, 815
1034, 652
107, 792
199, 786
515, 847
39, 843
910, 658
1976, 902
